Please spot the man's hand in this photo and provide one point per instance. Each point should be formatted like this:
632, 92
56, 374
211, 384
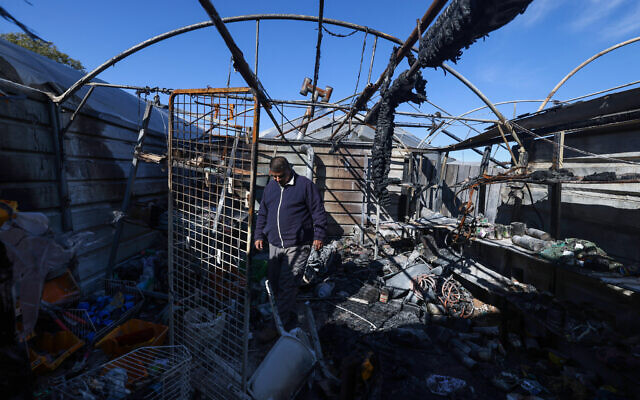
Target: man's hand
317, 244
259, 244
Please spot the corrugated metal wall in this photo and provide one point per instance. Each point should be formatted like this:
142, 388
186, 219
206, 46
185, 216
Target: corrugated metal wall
339, 176
98, 151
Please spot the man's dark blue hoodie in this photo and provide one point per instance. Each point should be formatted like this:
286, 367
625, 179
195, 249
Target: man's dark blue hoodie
291, 215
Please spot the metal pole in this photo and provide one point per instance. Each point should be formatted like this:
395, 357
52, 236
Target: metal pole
75, 113
317, 63
255, 66
63, 189
482, 192
133, 169
141, 89
420, 188
376, 249
364, 203
170, 217
251, 211
373, 56
240, 62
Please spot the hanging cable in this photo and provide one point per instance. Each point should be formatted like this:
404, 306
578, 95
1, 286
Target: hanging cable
373, 56
229, 76
337, 34
364, 45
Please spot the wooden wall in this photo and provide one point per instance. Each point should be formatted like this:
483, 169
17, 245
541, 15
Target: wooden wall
339, 176
98, 151
607, 214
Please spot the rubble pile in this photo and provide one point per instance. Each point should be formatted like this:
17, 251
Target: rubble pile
404, 325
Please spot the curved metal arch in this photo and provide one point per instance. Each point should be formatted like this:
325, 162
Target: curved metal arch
449, 123
241, 18
582, 65
503, 120
254, 17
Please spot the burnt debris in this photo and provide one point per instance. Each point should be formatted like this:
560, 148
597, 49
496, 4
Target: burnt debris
461, 24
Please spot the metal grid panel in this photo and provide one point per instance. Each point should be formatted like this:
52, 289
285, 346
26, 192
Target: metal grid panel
80, 323
145, 373
212, 151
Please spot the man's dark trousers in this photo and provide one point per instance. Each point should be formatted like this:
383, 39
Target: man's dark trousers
285, 271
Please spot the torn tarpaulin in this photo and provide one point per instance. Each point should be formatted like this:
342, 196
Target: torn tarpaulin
34, 252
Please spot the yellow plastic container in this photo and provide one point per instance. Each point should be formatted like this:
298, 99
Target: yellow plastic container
8, 211
59, 345
111, 346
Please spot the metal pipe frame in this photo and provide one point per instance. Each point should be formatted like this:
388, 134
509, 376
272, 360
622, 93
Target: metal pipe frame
584, 64
189, 28
141, 89
434, 8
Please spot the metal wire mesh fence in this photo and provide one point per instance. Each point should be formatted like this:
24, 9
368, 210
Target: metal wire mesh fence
212, 145
145, 373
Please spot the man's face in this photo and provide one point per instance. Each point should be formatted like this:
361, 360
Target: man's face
281, 177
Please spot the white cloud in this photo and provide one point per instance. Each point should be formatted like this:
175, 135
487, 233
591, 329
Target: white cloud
594, 12
625, 27
538, 10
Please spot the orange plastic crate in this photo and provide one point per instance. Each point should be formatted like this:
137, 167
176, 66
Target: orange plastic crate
59, 345
112, 348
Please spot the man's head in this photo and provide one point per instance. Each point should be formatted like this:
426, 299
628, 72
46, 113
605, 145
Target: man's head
280, 170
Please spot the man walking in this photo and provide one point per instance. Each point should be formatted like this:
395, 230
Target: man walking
292, 219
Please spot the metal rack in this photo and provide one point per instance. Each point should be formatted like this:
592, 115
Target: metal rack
80, 323
146, 373
212, 150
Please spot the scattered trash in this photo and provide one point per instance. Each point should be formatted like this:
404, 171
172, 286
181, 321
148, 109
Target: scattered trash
324, 289
444, 385
505, 381
532, 386
115, 381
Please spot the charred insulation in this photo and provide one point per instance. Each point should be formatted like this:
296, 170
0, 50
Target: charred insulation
461, 24
400, 91
458, 27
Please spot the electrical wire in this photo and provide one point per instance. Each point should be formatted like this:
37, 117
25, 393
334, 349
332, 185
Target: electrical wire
324, 28
354, 314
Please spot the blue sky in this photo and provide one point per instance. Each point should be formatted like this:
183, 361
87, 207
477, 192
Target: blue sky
523, 60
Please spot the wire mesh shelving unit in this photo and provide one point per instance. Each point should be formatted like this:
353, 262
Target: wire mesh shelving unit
80, 322
146, 373
212, 154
